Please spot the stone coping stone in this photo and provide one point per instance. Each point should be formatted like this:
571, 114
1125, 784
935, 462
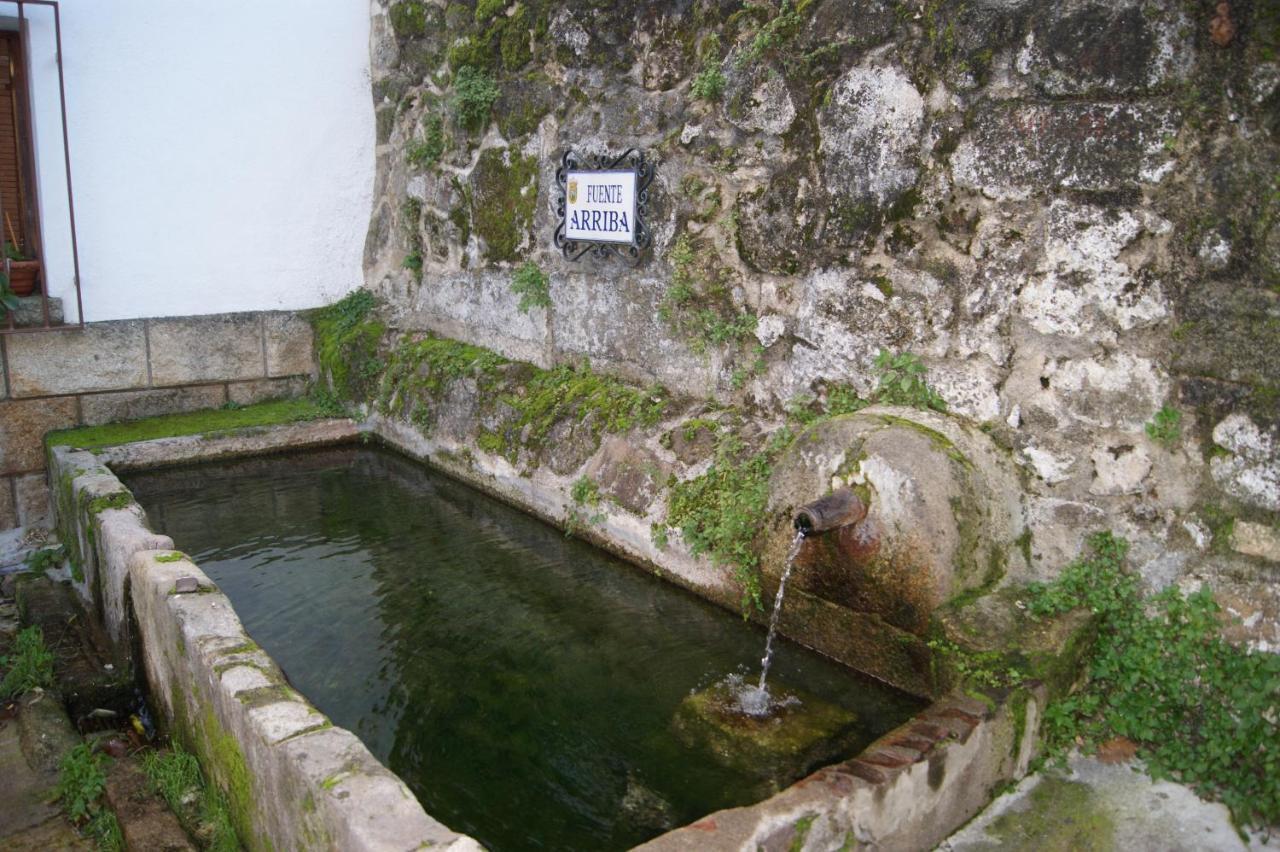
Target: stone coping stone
248, 441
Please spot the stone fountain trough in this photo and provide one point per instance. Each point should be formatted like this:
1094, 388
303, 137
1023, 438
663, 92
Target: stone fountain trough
932, 564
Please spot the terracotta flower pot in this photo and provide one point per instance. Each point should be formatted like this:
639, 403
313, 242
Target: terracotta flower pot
23, 275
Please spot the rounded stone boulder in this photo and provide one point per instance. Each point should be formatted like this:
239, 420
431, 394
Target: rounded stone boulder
944, 514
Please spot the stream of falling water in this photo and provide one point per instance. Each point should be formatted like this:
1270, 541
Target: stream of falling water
755, 701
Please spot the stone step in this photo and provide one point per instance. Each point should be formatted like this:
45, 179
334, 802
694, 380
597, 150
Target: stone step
145, 820
24, 791
44, 730
18, 542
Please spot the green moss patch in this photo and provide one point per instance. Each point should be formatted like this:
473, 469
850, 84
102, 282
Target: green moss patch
1063, 816
504, 191
719, 512
425, 367
189, 423
788, 741
347, 334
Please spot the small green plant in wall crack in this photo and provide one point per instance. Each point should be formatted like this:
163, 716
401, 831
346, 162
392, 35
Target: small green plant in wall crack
426, 152
900, 380
718, 513
532, 286
586, 496
708, 85
40, 561
1165, 427
473, 95
1201, 710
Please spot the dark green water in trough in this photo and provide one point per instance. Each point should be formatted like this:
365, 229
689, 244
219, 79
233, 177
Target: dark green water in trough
522, 683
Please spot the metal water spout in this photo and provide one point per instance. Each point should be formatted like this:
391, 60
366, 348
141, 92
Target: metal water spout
840, 508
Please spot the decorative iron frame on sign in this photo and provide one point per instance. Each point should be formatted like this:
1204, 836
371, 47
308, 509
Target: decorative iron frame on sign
631, 160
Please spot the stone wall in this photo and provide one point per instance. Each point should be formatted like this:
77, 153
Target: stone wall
129, 369
1068, 211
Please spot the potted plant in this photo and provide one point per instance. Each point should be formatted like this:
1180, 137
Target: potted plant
23, 271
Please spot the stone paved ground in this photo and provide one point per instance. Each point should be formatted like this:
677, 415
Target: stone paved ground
1090, 805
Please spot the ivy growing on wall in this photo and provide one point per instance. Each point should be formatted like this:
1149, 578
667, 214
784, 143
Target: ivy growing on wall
1201, 710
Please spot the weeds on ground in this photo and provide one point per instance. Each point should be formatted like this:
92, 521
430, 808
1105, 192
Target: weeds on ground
29, 664
81, 780
175, 776
40, 561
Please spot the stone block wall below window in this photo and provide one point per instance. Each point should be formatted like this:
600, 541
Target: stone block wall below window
127, 369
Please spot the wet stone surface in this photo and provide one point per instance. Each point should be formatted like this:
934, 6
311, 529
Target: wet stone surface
798, 732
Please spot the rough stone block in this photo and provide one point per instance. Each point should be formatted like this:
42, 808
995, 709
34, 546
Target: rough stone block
289, 345
189, 448
1250, 471
1256, 540
104, 356
262, 390
145, 820
870, 132
30, 312
23, 424
121, 533
1228, 333
8, 511
1252, 607
133, 405
212, 348
631, 476
482, 311
1090, 146
32, 503
1104, 48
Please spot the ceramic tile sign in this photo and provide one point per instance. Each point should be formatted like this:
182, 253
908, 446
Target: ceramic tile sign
602, 206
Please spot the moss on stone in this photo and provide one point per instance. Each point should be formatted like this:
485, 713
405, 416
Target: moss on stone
939, 440
118, 500
504, 192
425, 367
1017, 704
802, 827
994, 632
347, 335
172, 556
786, 743
1063, 816
514, 40
409, 18
232, 771
189, 423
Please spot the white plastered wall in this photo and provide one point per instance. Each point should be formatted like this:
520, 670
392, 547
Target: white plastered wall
221, 152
